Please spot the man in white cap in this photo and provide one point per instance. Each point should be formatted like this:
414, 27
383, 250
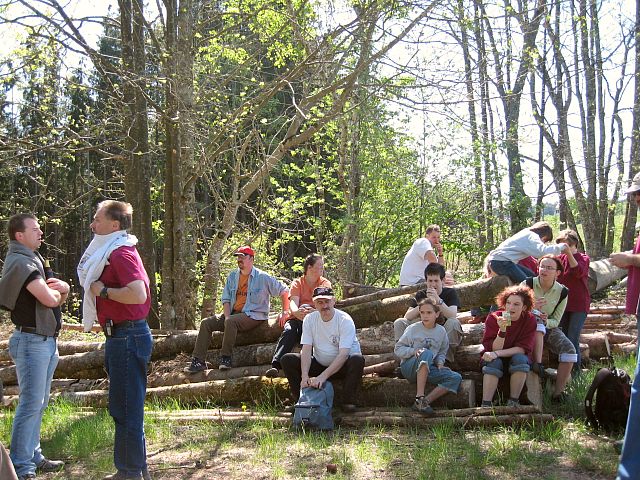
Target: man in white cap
330, 349
245, 302
629, 467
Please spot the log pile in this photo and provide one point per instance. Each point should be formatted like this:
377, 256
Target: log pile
252, 359
82, 361
465, 417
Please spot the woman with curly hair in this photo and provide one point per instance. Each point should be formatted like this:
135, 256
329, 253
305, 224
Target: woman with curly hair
508, 341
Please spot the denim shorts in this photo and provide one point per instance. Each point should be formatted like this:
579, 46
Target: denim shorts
445, 377
517, 363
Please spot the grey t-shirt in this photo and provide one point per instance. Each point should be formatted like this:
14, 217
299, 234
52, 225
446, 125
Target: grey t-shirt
416, 336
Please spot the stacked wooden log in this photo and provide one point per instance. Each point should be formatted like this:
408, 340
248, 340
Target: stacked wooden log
373, 314
252, 358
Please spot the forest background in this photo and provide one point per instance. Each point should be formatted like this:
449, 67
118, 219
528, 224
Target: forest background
297, 126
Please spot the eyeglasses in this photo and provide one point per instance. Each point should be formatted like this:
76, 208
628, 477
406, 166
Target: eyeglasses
543, 267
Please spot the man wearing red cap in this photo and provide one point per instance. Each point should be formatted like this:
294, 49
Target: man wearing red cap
245, 301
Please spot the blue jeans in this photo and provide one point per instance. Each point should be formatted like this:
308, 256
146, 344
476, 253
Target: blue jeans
517, 273
126, 356
445, 378
629, 467
517, 363
571, 324
36, 358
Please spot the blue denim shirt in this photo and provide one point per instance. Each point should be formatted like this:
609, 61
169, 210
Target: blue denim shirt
260, 289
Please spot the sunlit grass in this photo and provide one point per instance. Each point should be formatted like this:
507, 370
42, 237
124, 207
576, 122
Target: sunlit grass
446, 451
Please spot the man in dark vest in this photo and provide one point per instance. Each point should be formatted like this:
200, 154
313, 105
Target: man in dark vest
31, 298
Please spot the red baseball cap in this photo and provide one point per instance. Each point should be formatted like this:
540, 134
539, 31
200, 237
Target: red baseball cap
245, 250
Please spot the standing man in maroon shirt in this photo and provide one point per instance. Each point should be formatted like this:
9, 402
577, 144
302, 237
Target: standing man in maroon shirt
122, 304
629, 466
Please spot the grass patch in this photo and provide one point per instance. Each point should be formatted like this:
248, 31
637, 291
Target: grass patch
263, 449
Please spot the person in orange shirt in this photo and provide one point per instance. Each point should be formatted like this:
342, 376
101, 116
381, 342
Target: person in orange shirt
246, 302
300, 305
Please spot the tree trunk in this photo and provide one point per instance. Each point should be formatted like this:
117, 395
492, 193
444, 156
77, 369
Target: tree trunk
375, 391
180, 287
510, 95
137, 175
478, 190
472, 421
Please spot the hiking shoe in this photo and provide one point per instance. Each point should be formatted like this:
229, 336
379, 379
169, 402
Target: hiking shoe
27, 476
225, 363
423, 407
513, 403
560, 398
539, 369
196, 366
273, 372
47, 465
399, 373
486, 404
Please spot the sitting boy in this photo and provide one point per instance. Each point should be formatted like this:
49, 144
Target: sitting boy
422, 350
448, 302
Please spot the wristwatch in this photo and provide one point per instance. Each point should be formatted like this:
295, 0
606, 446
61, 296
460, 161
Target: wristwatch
440, 301
104, 293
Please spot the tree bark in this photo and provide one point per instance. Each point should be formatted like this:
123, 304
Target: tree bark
179, 284
375, 391
137, 161
472, 421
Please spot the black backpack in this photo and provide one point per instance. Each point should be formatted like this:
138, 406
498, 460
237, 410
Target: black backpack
612, 389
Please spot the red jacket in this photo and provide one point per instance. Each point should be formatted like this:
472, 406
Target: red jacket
576, 280
521, 333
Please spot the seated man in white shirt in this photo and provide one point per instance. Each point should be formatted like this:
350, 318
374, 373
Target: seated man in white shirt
424, 251
330, 350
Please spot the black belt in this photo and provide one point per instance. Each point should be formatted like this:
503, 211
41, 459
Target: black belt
34, 332
127, 323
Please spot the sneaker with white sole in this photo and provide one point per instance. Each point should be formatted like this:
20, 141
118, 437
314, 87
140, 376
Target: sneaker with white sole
421, 405
196, 366
225, 363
